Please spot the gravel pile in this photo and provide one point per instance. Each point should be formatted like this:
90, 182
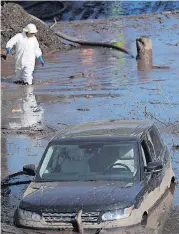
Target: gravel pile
14, 18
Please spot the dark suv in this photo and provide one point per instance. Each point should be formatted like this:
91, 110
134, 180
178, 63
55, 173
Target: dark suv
98, 175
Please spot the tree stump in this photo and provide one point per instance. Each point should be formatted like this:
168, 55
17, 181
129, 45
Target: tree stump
144, 53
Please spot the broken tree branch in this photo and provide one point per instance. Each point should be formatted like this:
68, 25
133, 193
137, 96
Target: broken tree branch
54, 23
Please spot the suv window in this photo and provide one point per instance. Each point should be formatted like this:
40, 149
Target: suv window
85, 160
156, 141
145, 150
150, 146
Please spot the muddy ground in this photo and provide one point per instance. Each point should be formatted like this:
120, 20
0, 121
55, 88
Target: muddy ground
86, 84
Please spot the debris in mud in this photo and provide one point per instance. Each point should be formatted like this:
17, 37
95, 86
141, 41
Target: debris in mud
78, 75
21, 82
35, 130
83, 109
16, 110
63, 124
159, 80
93, 43
160, 19
3, 54
176, 44
160, 67
162, 103
88, 96
14, 18
175, 147
149, 88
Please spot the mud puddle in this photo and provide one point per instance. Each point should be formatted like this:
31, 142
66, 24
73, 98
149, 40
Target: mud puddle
111, 88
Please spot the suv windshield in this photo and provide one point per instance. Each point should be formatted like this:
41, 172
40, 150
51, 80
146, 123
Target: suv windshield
68, 161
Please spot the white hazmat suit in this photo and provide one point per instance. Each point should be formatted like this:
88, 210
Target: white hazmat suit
27, 49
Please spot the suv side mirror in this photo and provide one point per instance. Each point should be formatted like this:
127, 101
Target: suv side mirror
154, 166
29, 169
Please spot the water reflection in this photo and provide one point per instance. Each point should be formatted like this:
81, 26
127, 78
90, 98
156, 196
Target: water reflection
145, 75
31, 113
87, 55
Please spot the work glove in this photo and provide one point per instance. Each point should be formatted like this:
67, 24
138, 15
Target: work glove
8, 50
41, 60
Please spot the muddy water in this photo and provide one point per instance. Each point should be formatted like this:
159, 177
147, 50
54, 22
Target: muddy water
107, 85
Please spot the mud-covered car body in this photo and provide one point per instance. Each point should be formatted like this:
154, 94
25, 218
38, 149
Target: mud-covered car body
111, 175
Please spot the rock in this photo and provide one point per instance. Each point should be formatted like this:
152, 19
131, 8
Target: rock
14, 18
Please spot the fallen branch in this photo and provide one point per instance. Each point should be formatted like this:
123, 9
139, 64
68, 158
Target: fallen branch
92, 43
54, 23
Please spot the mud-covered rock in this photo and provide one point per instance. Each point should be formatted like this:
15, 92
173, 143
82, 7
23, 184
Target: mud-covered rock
14, 18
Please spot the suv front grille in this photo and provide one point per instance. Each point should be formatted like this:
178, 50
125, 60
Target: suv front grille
87, 217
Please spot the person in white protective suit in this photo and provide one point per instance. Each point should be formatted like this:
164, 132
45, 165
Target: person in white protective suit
27, 50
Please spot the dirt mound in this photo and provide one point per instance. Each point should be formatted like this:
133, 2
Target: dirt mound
14, 18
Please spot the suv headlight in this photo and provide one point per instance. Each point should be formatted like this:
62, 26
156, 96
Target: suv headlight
117, 214
28, 215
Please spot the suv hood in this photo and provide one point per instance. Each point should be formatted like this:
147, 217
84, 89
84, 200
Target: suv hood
86, 195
